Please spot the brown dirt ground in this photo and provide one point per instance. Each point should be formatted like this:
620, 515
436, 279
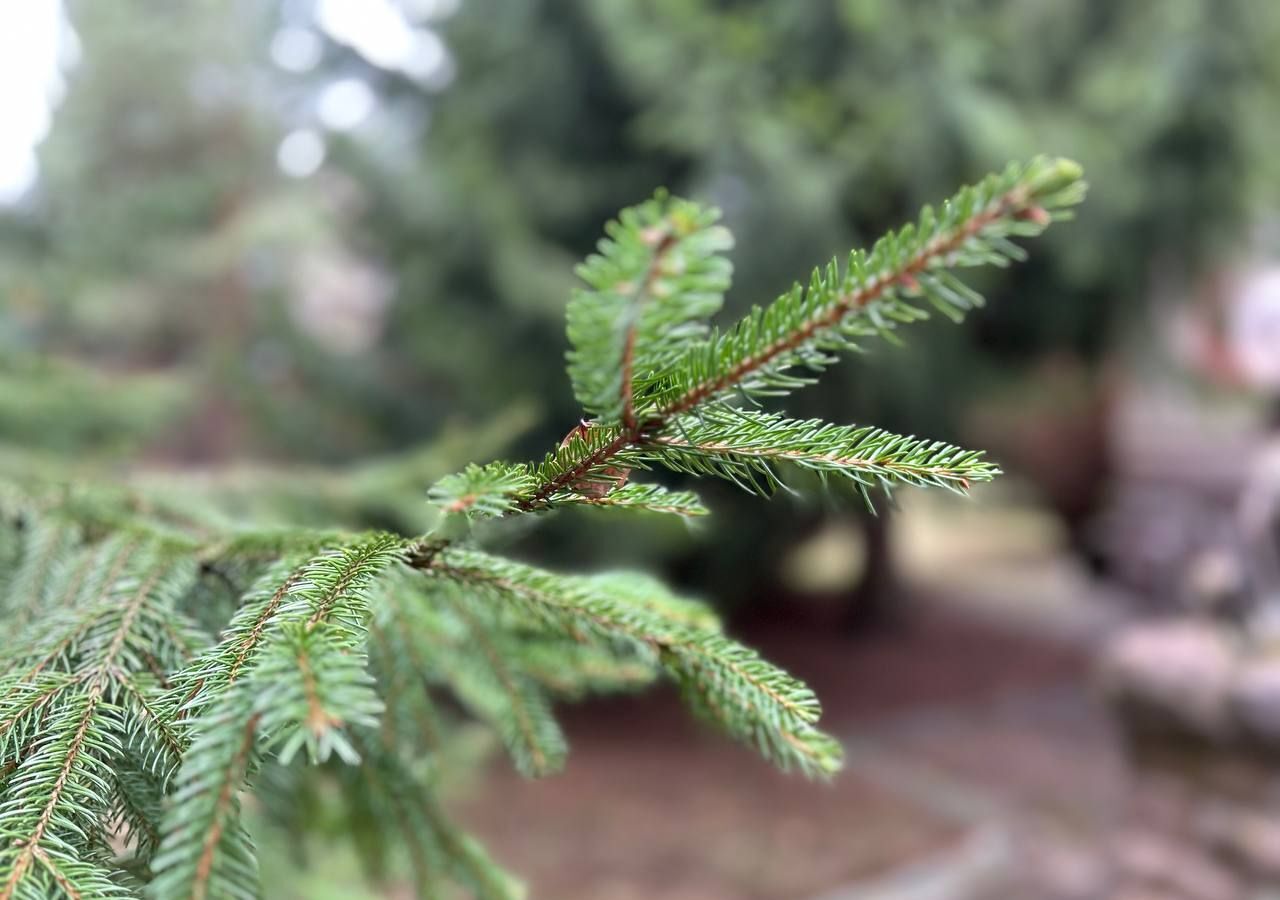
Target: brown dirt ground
653, 806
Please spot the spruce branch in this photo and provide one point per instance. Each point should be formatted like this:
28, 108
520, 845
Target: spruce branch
45, 541
745, 695
873, 293
678, 412
301, 687
129, 733
335, 585
52, 797
138, 805
399, 651
642, 498
573, 670
204, 852
658, 276
488, 685
59, 791
747, 447
642, 591
22, 701
779, 348
481, 492
149, 730
434, 631
311, 691
478, 655
395, 795
587, 461
213, 672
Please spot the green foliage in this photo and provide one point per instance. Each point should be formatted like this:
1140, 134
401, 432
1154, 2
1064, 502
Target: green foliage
654, 284
875, 292
677, 405
60, 407
482, 492
748, 447
134, 716
645, 498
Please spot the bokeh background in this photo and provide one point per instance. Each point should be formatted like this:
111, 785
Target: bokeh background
324, 246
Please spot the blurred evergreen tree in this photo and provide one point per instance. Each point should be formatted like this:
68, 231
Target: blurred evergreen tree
164, 236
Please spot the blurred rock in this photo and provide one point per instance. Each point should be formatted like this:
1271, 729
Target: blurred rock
1255, 699
1179, 674
1257, 840
1158, 862
1245, 838
1071, 873
1202, 702
1144, 854
1254, 328
1142, 892
1217, 584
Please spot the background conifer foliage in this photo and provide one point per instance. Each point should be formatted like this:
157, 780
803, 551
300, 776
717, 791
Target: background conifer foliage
169, 663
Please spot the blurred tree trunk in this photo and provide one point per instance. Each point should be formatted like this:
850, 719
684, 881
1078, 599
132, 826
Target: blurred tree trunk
874, 602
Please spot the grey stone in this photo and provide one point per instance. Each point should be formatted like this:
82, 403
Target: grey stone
1070, 873
1249, 839
1184, 669
1155, 861
1255, 698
